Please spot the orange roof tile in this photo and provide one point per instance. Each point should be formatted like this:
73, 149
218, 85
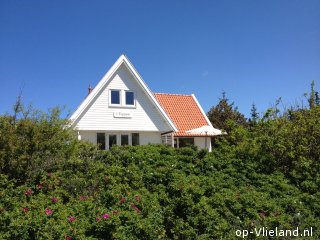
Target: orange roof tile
183, 111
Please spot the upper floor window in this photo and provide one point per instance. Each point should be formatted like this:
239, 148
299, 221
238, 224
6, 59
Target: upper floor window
121, 98
129, 98
115, 97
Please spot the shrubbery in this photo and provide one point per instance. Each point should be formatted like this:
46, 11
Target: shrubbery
55, 187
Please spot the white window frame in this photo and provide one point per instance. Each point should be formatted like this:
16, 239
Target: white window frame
125, 98
122, 95
120, 98
118, 137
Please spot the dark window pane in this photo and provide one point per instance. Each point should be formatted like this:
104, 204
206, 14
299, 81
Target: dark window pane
135, 139
115, 97
124, 140
129, 98
186, 142
112, 140
101, 141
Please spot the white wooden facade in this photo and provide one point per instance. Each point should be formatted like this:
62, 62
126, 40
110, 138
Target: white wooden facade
143, 115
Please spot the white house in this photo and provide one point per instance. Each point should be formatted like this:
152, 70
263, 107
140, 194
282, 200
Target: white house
122, 110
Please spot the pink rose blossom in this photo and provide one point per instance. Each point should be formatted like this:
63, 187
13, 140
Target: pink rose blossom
25, 209
39, 186
69, 238
28, 192
48, 211
135, 208
98, 218
71, 219
54, 199
106, 216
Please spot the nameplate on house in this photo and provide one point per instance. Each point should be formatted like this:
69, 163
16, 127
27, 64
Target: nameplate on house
122, 115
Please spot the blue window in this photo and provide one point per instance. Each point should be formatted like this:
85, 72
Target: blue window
115, 97
129, 98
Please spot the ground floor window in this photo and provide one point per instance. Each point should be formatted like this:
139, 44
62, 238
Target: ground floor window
107, 140
184, 142
124, 140
101, 141
112, 140
135, 139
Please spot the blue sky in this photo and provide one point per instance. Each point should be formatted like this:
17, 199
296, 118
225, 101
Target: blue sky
256, 51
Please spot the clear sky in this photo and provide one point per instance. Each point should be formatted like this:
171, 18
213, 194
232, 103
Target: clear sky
255, 51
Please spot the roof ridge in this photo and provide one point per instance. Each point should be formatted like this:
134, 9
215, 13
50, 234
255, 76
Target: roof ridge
174, 94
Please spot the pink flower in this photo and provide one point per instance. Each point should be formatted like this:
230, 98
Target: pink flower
71, 219
122, 200
106, 216
54, 199
28, 192
25, 209
98, 218
135, 208
48, 211
83, 198
39, 186
69, 238
138, 198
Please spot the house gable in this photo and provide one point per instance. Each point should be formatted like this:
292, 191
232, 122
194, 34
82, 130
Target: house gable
96, 113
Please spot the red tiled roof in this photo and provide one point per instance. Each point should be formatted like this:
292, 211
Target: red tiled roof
183, 110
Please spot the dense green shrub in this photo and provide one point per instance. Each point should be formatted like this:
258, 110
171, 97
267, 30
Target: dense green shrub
55, 187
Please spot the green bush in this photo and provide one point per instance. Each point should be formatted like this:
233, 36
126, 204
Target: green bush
55, 187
